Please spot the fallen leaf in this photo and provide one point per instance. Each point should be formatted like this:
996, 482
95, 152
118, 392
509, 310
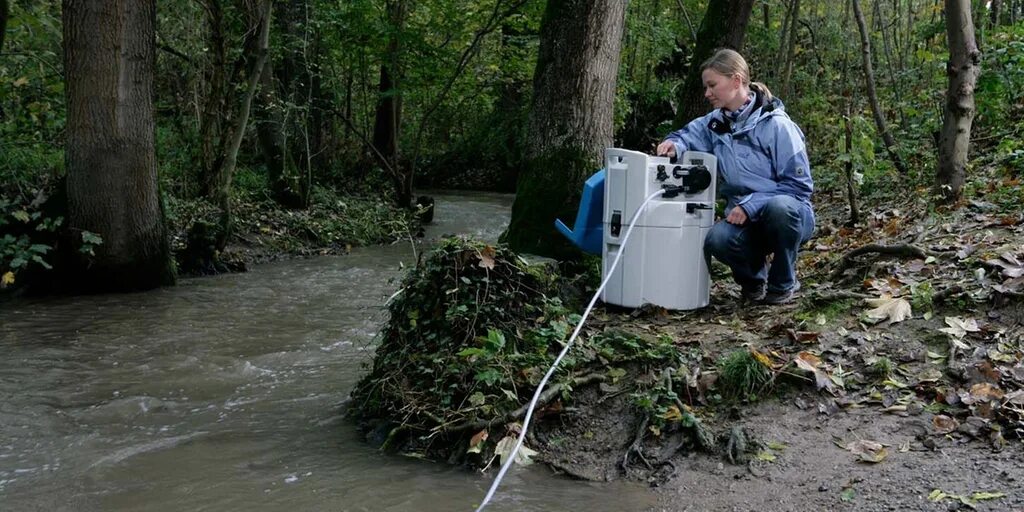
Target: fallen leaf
504, 449
868, 451
809, 362
765, 456
894, 309
476, 443
981, 496
944, 424
958, 327
982, 392
803, 336
487, 257
848, 494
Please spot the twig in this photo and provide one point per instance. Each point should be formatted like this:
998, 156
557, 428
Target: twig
905, 250
517, 414
839, 295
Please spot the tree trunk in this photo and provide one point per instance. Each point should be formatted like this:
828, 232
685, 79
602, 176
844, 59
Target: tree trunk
571, 118
223, 175
4, 10
851, 183
791, 50
869, 79
285, 187
995, 7
963, 69
110, 152
389, 105
215, 110
724, 26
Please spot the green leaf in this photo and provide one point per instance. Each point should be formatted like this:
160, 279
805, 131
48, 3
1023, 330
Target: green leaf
21, 215
848, 494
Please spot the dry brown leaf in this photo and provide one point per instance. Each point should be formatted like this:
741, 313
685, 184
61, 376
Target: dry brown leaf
809, 362
944, 424
894, 309
868, 451
487, 257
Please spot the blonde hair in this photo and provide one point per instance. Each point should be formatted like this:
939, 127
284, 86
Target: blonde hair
730, 63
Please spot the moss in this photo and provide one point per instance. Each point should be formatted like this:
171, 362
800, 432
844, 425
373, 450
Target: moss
549, 188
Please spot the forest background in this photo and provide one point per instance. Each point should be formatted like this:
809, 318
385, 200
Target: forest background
310, 132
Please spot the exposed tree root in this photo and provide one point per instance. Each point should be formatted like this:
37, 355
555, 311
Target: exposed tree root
904, 250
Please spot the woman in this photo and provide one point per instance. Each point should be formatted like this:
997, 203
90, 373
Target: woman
764, 176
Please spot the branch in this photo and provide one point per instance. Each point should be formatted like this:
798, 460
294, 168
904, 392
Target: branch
905, 250
366, 140
467, 54
519, 413
686, 15
176, 53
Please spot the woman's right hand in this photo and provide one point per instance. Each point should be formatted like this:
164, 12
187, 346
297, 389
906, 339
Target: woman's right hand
666, 148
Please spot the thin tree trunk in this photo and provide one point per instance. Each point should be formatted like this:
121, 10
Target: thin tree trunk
270, 121
4, 10
851, 182
571, 119
110, 149
215, 111
765, 11
791, 50
869, 79
963, 69
388, 121
724, 26
894, 83
995, 8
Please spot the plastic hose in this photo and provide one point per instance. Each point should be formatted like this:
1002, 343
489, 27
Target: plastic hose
540, 388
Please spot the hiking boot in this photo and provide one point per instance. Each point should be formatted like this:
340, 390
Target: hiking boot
753, 292
782, 297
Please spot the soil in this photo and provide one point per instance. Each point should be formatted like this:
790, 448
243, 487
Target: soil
943, 441
797, 459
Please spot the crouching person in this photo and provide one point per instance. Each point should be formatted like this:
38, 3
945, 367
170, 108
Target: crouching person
764, 174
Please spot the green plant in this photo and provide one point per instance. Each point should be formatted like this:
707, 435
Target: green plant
741, 375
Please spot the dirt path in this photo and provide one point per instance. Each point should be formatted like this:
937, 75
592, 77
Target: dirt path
810, 472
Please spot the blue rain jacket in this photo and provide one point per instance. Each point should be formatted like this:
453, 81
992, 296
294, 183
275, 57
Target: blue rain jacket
759, 156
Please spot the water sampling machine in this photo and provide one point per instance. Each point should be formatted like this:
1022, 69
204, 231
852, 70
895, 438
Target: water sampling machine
662, 263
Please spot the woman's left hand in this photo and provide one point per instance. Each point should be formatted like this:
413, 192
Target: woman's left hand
737, 216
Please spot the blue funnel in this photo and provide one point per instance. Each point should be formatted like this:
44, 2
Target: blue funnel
588, 232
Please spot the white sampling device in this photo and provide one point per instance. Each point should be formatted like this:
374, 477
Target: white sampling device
663, 263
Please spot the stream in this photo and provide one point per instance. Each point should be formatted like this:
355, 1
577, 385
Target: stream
224, 393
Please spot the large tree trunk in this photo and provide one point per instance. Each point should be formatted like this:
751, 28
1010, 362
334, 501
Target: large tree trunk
963, 69
724, 26
869, 79
110, 153
571, 118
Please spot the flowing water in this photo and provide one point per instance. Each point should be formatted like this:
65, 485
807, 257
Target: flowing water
223, 393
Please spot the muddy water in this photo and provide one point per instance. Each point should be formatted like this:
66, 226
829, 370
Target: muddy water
223, 393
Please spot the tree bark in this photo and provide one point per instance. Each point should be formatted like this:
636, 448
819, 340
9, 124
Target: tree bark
215, 109
869, 79
995, 7
4, 10
223, 175
791, 50
285, 187
389, 103
571, 118
963, 69
110, 152
724, 26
